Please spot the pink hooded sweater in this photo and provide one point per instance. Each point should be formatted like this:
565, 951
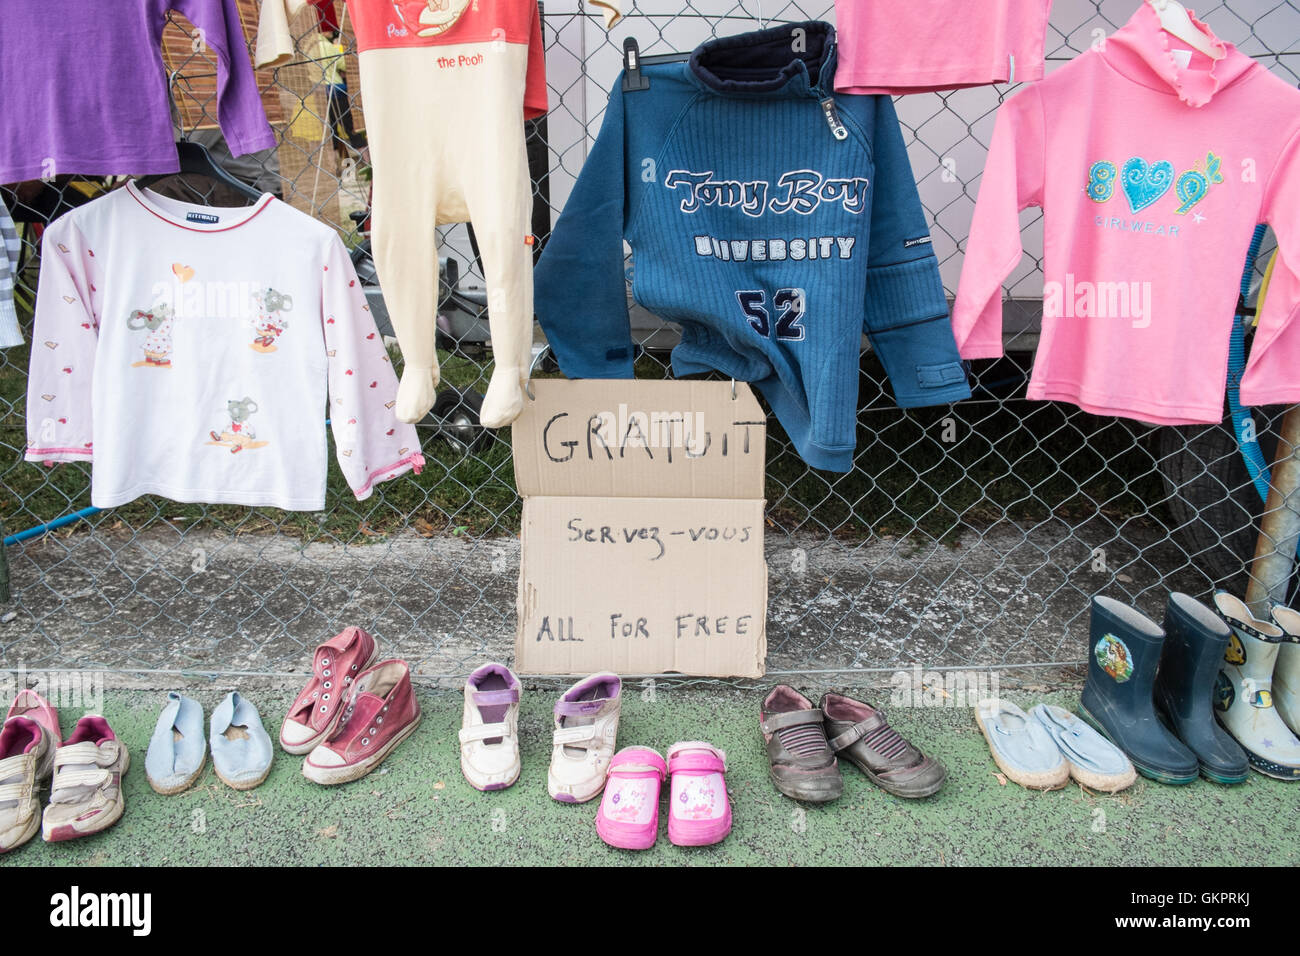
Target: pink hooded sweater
1152, 165
921, 46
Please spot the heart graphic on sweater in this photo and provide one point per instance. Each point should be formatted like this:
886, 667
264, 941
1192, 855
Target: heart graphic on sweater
51, 345
1143, 183
69, 299
183, 272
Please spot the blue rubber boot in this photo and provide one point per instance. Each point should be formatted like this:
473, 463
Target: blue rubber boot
1195, 641
1123, 654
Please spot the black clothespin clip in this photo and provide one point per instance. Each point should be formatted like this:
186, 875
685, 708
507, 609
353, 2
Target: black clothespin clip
633, 78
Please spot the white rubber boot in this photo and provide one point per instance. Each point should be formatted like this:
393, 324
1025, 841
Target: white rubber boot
1286, 674
1245, 692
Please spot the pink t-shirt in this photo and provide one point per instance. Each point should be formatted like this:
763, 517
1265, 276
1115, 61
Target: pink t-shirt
1152, 165
922, 45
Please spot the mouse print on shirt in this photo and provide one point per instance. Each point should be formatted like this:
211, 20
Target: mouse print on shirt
270, 322
240, 433
156, 322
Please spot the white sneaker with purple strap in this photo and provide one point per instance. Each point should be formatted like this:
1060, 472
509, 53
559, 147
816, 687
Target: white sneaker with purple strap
586, 730
489, 733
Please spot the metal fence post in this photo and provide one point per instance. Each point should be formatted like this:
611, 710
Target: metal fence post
1270, 573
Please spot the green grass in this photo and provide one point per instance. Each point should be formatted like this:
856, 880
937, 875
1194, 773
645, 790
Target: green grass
417, 809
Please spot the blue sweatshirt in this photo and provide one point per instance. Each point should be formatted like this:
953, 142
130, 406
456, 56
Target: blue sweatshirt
773, 222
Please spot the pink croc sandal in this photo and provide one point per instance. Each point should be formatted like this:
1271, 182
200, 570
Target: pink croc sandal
699, 812
628, 817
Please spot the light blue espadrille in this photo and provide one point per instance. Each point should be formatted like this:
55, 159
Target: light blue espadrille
177, 749
241, 747
1094, 761
1022, 748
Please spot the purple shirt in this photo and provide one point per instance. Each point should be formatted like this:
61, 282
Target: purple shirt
83, 90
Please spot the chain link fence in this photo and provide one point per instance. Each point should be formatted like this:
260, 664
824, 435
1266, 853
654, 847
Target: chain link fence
970, 536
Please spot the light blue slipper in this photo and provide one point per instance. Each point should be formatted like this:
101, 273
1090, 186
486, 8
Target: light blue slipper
1094, 761
1022, 748
241, 747
177, 749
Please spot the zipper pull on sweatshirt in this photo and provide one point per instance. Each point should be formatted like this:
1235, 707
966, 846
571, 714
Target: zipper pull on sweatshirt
833, 118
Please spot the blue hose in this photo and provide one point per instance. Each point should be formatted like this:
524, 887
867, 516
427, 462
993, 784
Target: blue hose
58, 522
51, 525
1243, 422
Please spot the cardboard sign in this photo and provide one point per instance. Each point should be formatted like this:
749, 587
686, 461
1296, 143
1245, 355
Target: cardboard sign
642, 529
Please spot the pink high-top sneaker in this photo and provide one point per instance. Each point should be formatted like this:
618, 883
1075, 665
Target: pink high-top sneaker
336, 664
380, 713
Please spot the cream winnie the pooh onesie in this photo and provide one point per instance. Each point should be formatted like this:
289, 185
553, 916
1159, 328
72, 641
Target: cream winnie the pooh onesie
446, 86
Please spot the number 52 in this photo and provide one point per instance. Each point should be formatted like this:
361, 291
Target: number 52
789, 302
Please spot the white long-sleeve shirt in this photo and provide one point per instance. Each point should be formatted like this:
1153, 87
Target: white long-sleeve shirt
188, 350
